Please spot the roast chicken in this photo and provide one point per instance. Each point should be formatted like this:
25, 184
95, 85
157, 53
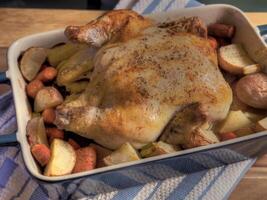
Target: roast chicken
150, 81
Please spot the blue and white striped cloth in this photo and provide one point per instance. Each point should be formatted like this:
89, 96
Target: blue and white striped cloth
153, 183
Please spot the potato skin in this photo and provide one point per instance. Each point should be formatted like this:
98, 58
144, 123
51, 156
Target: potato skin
252, 90
47, 97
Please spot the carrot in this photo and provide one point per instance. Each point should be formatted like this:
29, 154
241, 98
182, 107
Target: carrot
213, 42
47, 74
49, 115
221, 30
33, 88
54, 133
228, 136
41, 153
85, 159
74, 144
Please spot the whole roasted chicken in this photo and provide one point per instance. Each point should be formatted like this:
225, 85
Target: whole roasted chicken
149, 81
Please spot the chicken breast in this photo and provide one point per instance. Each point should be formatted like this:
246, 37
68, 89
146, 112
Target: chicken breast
143, 79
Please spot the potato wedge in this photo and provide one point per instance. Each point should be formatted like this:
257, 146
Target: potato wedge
63, 159
254, 117
32, 61
125, 153
77, 87
262, 124
157, 148
62, 52
47, 97
36, 131
234, 121
234, 59
75, 66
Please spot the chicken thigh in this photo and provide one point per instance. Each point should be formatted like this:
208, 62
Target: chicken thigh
149, 79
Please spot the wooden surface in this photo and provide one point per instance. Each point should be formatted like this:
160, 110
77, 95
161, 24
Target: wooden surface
16, 23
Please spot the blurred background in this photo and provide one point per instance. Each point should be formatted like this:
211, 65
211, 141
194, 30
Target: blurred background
246, 5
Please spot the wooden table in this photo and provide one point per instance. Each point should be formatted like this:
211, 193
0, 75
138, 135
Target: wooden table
16, 23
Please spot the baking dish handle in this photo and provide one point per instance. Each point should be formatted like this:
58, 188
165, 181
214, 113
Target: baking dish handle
3, 77
262, 29
8, 139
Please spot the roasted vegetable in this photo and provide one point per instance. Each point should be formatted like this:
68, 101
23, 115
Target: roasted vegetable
49, 115
74, 144
85, 159
76, 87
251, 90
36, 131
262, 124
53, 133
234, 121
48, 97
157, 148
32, 61
221, 30
62, 52
47, 74
125, 153
75, 66
234, 59
41, 153
63, 159
33, 88
228, 136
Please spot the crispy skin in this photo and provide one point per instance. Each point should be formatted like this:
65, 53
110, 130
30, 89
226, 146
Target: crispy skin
139, 83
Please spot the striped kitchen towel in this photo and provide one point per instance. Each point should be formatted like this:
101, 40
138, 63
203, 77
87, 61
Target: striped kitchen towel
161, 182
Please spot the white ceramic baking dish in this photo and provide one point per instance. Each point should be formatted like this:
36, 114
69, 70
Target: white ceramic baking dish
240, 148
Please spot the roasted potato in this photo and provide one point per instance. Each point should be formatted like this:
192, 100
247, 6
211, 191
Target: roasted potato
62, 52
261, 124
36, 131
32, 61
157, 148
63, 159
234, 59
251, 90
234, 121
48, 97
125, 153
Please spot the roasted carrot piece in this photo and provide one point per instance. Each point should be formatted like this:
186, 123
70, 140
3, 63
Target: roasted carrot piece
73, 143
33, 88
49, 115
47, 74
85, 160
41, 153
228, 136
